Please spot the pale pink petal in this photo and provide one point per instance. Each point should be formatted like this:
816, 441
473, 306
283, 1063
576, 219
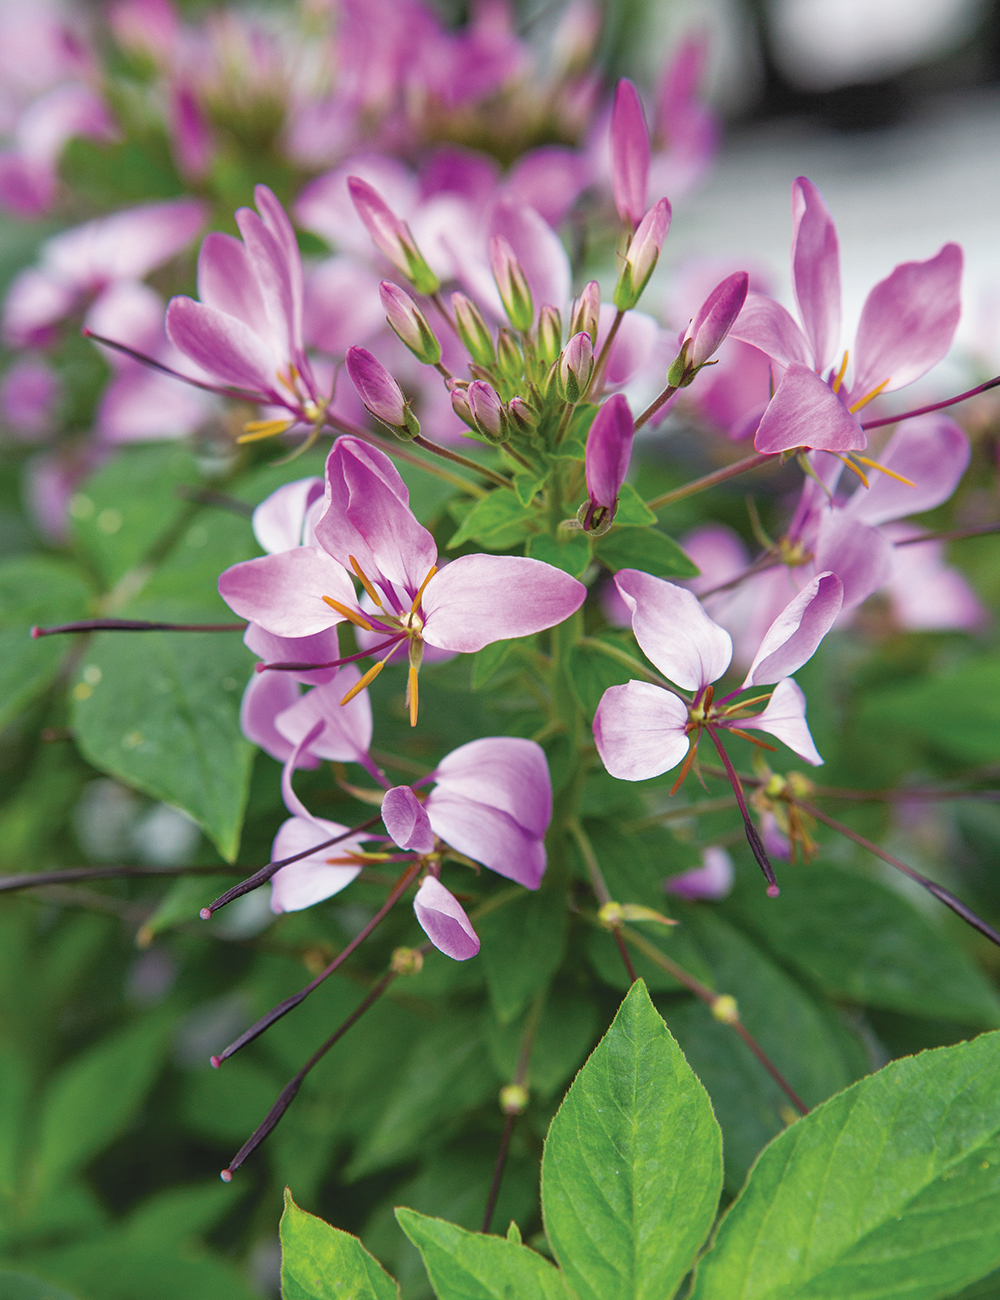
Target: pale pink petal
816, 271
806, 412
342, 305
442, 918
478, 599
279, 520
549, 179
932, 452
785, 719
301, 749
266, 695
860, 556
29, 394
406, 821
926, 593
713, 879
284, 593
487, 835
639, 730
35, 301
222, 346
313, 878
505, 772
794, 635
766, 325
539, 250
346, 729
226, 280
273, 274
908, 322
629, 153
633, 346
718, 552
674, 631
322, 648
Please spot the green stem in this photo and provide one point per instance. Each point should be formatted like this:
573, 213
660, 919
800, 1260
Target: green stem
446, 454
626, 660
602, 357
400, 452
710, 480
655, 405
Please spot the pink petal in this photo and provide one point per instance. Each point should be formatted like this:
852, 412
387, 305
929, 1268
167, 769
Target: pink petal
713, 879
927, 594
785, 719
405, 819
226, 280
908, 322
341, 305
266, 695
276, 220
629, 153
794, 635
632, 347
674, 631
816, 271
443, 920
273, 275
319, 649
505, 772
639, 730
346, 728
284, 593
549, 179
860, 556
766, 325
932, 452
313, 878
223, 346
478, 599
609, 448
295, 759
36, 299
279, 520
487, 835
806, 412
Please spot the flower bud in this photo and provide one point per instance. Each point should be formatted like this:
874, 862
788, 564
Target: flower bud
717, 316
391, 235
548, 336
576, 365
587, 311
522, 416
642, 255
409, 323
510, 362
444, 921
609, 447
489, 412
515, 292
629, 154
460, 403
473, 330
380, 393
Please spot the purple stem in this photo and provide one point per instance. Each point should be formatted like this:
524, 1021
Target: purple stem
756, 844
333, 663
935, 406
133, 625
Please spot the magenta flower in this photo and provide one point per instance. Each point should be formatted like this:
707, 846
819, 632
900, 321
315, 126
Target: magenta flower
29, 394
369, 531
409, 324
246, 332
29, 171
907, 325
629, 154
609, 447
712, 880
380, 393
391, 236
710, 327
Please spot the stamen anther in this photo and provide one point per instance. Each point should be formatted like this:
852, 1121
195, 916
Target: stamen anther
258, 430
369, 677
423, 587
357, 619
842, 372
863, 401
365, 582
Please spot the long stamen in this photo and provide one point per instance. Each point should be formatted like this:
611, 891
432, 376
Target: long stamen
365, 581
423, 587
745, 735
873, 464
368, 678
863, 401
745, 704
412, 696
841, 373
331, 663
355, 617
753, 838
258, 430
855, 469
686, 766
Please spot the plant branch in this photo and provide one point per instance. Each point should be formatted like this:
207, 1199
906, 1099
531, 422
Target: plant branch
655, 405
133, 625
513, 1099
399, 450
935, 406
38, 879
710, 480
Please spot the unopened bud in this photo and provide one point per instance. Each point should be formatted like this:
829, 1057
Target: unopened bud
548, 337
522, 416
587, 311
380, 393
642, 255
515, 292
510, 361
611, 915
513, 1098
409, 323
724, 1008
609, 447
489, 412
407, 961
460, 404
391, 236
473, 330
717, 316
576, 365
630, 152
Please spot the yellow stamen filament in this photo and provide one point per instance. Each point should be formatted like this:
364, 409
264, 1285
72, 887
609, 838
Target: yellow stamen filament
856, 469
873, 464
364, 581
735, 731
745, 704
841, 372
423, 587
863, 401
357, 619
291, 380
411, 694
257, 430
368, 678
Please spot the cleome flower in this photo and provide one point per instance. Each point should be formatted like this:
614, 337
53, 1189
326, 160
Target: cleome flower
368, 532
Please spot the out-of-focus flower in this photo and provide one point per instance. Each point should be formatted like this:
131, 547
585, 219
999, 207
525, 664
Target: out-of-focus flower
29, 394
629, 154
712, 880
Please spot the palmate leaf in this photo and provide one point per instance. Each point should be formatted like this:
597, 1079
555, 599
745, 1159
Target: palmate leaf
319, 1262
633, 1164
890, 1189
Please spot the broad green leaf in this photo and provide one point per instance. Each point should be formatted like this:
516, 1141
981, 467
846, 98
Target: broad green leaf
891, 1188
862, 941
569, 552
592, 671
632, 1168
93, 1098
160, 711
632, 509
644, 548
15, 1093
528, 483
185, 586
473, 1266
486, 661
565, 1033
123, 510
34, 590
319, 1262
19, 1286
498, 521
522, 948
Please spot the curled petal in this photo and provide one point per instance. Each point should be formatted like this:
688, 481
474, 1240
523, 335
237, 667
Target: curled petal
345, 729
442, 918
479, 599
405, 819
487, 835
674, 631
279, 520
785, 719
816, 270
794, 635
222, 346
313, 878
504, 772
713, 879
806, 412
284, 593
932, 452
640, 731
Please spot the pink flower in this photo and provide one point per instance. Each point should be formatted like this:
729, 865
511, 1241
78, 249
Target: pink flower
907, 325
713, 879
28, 395
609, 448
29, 172
629, 154
442, 918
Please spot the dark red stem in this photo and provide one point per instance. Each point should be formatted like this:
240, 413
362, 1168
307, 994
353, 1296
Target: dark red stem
935, 406
754, 840
133, 625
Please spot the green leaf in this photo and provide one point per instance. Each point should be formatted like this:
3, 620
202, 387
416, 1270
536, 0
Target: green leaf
566, 1031
93, 1098
569, 552
19, 1286
632, 1168
130, 503
528, 483
160, 711
498, 521
644, 548
632, 509
185, 586
522, 948
863, 942
472, 1266
891, 1188
34, 590
591, 671
319, 1262
486, 661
